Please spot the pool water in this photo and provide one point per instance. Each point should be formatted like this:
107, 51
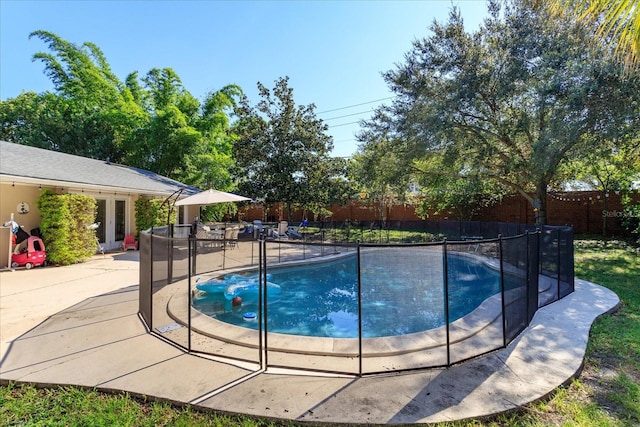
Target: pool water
401, 294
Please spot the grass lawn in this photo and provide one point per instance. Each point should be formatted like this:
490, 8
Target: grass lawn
606, 394
608, 390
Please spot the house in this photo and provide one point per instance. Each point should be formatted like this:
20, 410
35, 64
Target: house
25, 171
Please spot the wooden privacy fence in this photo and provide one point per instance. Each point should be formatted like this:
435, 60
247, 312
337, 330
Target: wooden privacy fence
588, 212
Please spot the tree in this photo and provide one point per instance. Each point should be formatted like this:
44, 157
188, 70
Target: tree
183, 139
212, 161
92, 113
617, 22
22, 118
446, 188
153, 123
166, 139
442, 186
282, 151
608, 167
509, 103
379, 174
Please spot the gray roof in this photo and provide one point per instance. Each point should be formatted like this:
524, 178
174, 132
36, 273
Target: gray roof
27, 164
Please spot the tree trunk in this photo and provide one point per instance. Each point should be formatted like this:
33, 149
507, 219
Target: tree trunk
289, 212
540, 205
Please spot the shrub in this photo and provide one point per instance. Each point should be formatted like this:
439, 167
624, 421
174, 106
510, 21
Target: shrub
631, 220
152, 213
64, 226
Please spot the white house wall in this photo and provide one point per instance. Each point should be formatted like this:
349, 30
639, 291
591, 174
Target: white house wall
111, 242
13, 195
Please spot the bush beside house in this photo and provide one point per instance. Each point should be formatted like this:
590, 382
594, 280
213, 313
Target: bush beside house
152, 213
65, 226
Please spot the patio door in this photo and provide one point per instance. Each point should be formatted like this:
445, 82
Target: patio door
120, 220
101, 217
112, 215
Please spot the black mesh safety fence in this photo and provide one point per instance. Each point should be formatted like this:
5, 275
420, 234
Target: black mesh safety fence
474, 298
555, 263
565, 262
225, 308
310, 306
326, 303
429, 227
450, 229
402, 307
397, 231
533, 273
515, 285
472, 230
207, 255
167, 270
549, 266
179, 259
299, 250
224, 305
145, 296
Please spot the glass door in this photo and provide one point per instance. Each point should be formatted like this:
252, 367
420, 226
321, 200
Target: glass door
101, 218
120, 220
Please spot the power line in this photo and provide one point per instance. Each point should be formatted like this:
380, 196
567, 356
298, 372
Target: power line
348, 115
343, 124
356, 105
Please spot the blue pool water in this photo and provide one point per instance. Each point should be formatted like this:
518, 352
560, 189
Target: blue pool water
401, 294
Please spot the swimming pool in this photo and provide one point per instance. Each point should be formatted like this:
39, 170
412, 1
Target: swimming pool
321, 299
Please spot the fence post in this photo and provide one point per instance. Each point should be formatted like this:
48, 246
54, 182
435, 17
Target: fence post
528, 278
558, 263
535, 285
359, 309
224, 250
193, 240
189, 273
151, 279
262, 306
504, 312
279, 252
445, 268
170, 255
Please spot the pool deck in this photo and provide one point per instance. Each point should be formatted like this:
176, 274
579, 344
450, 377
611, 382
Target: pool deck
78, 325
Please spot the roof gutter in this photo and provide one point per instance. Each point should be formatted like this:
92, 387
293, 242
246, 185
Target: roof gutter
78, 186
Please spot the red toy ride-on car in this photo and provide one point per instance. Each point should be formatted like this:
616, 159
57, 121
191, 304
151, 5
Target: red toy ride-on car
34, 255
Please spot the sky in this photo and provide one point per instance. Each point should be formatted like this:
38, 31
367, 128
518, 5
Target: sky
333, 52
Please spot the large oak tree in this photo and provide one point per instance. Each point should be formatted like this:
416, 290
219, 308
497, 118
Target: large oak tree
508, 103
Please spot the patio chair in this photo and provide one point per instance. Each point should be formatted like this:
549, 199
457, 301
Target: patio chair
203, 237
217, 235
234, 236
295, 231
283, 228
231, 236
129, 242
257, 228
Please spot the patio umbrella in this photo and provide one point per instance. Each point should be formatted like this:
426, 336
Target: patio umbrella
211, 197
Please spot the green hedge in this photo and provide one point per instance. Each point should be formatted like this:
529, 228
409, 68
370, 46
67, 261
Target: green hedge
65, 218
152, 213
